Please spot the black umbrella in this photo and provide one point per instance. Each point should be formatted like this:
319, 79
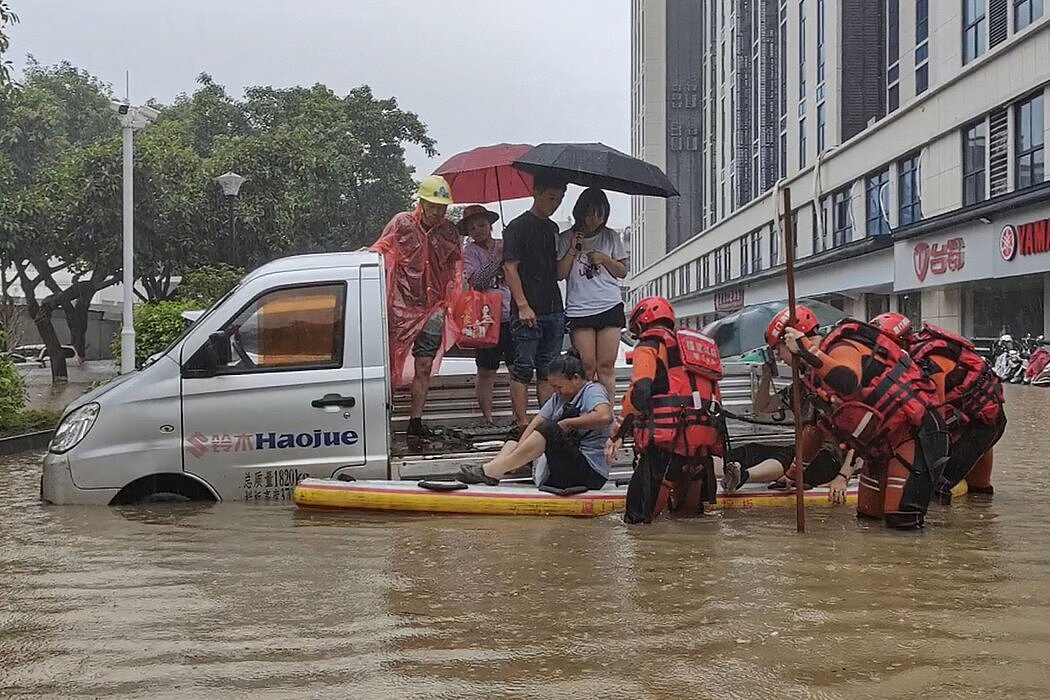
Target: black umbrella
597, 165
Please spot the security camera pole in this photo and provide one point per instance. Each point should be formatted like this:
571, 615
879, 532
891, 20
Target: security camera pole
131, 119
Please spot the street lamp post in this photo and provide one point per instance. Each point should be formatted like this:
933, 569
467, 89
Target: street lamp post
231, 182
131, 120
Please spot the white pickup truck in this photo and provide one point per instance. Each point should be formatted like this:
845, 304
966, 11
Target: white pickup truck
284, 377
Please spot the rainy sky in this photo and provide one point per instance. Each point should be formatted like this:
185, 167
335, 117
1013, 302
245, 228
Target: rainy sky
477, 72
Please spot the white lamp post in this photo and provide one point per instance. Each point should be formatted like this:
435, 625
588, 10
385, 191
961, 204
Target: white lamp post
131, 120
231, 182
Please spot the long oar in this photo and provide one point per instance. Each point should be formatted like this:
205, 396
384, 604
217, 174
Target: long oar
796, 395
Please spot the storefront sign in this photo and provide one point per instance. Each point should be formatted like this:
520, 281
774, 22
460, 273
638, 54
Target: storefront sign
937, 259
975, 250
729, 300
1032, 238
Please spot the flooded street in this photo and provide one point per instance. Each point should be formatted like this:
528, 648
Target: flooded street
263, 601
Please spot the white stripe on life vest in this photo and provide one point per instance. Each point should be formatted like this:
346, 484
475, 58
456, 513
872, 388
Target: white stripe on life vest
862, 425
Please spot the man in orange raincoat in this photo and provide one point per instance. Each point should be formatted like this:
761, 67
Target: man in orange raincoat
421, 252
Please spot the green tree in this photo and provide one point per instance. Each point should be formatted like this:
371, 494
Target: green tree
206, 284
324, 172
55, 110
7, 17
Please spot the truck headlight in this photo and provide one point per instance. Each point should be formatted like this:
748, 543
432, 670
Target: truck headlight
74, 427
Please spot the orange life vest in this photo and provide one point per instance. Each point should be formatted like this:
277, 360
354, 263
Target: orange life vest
684, 411
971, 387
894, 392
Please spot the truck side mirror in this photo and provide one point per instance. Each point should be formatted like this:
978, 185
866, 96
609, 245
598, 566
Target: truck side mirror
218, 350
213, 354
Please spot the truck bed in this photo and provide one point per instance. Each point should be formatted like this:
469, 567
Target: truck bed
451, 405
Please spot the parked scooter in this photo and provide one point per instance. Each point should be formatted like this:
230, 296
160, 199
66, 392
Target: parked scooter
1005, 353
1025, 352
1037, 360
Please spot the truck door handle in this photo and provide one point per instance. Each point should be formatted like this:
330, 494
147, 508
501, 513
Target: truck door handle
334, 400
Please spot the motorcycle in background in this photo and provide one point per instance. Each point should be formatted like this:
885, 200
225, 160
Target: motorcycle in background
1037, 362
1007, 357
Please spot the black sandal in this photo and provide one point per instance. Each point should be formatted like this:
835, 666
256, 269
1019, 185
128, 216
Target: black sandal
475, 474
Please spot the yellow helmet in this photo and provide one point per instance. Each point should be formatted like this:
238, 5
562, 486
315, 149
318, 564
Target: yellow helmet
433, 188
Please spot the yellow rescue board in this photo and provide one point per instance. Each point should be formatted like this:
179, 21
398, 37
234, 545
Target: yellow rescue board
513, 499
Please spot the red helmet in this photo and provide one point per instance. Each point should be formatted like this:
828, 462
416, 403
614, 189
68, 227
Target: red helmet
648, 311
805, 322
895, 325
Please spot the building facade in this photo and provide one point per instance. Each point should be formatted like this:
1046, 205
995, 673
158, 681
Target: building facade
910, 134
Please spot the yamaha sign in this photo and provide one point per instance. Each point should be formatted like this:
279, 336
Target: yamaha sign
1032, 238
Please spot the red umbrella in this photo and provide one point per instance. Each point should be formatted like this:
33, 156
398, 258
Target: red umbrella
485, 174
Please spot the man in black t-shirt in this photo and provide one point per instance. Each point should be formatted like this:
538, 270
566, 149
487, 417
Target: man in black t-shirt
537, 317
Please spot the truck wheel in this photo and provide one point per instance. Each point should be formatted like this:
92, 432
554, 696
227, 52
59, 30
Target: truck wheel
162, 488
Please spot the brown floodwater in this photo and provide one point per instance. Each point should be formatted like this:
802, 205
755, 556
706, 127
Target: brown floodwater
263, 601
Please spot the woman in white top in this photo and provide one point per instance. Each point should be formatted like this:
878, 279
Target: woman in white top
592, 263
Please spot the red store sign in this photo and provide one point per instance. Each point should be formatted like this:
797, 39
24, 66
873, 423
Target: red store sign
937, 259
1032, 238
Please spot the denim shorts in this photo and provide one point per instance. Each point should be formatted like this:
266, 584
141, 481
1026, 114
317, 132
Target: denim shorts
535, 346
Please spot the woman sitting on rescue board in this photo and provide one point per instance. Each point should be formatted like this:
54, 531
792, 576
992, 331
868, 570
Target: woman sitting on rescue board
571, 430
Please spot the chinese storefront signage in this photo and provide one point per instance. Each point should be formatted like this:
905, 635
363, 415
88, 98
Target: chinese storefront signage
1032, 238
937, 259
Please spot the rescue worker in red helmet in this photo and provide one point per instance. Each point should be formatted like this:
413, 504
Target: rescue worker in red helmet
872, 396
673, 407
970, 394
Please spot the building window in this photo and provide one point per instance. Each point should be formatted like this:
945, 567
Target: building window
820, 42
975, 29
908, 194
774, 247
922, 78
802, 143
727, 260
821, 117
893, 98
802, 49
975, 140
705, 271
751, 253
1028, 145
922, 21
841, 217
876, 211
893, 53
922, 46
1026, 12
794, 238
783, 154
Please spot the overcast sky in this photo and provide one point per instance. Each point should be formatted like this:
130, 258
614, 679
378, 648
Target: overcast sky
477, 72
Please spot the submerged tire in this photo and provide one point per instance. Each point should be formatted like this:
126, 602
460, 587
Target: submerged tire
163, 488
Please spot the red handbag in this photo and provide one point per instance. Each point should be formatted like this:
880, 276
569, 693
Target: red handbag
475, 319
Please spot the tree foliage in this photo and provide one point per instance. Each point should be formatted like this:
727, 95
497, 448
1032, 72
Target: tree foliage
12, 390
205, 285
7, 17
324, 172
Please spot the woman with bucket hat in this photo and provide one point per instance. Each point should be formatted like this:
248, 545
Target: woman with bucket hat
483, 271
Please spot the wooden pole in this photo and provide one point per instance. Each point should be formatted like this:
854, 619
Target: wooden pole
796, 395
